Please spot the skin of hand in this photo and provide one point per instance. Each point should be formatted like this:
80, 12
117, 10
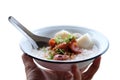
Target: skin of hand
35, 73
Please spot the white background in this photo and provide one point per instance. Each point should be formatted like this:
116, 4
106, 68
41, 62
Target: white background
101, 15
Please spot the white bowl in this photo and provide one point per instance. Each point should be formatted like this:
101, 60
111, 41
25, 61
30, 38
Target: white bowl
100, 41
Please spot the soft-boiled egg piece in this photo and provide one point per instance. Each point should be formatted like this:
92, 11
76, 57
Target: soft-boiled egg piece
63, 34
85, 41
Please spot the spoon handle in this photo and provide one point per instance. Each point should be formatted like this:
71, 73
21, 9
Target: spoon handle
28, 34
20, 27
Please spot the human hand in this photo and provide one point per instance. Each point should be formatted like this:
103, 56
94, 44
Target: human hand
84, 74
35, 73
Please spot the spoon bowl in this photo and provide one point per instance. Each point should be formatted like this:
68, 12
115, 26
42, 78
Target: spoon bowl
35, 40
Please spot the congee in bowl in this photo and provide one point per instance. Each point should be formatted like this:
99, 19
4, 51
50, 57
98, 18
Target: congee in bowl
68, 45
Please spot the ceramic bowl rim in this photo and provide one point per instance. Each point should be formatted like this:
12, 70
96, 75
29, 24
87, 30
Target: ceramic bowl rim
74, 61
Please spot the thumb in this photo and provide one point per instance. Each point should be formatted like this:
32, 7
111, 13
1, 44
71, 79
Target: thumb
28, 61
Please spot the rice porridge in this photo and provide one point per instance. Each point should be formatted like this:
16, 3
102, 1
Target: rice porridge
68, 46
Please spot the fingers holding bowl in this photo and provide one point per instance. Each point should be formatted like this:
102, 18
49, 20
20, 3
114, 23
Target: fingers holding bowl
87, 72
92, 69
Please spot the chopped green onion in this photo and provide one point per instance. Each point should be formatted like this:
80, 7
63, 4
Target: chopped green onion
51, 55
60, 51
59, 39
